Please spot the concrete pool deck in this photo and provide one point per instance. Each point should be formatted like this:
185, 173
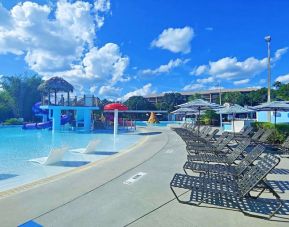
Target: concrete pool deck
98, 196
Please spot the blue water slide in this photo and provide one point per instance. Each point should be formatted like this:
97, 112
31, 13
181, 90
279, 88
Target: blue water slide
43, 125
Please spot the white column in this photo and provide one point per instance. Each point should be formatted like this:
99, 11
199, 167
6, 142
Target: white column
87, 119
115, 122
56, 119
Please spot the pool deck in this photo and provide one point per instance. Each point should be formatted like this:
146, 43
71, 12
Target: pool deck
97, 196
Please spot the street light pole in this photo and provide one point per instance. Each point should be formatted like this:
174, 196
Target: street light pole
268, 40
220, 93
220, 99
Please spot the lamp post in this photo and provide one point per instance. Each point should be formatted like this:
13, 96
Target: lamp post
268, 40
220, 93
220, 99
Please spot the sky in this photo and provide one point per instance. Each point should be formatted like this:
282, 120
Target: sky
116, 49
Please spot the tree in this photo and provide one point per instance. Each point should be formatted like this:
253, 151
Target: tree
194, 97
233, 97
170, 100
256, 97
6, 106
24, 92
282, 91
210, 117
139, 103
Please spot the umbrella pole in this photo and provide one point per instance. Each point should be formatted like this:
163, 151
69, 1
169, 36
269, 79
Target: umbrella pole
233, 124
275, 117
199, 122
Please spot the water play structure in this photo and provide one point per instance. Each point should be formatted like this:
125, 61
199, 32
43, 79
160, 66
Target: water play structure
56, 101
58, 108
46, 122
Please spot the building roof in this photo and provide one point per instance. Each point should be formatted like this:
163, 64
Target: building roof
205, 92
56, 84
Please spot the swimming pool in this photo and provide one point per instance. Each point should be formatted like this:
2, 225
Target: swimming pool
160, 124
17, 146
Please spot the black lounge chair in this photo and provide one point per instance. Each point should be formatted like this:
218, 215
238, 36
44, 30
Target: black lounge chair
208, 187
257, 134
228, 159
191, 135
216, 149
193, 145
188, 132
209, 138
235, 171
264, 137
244, 134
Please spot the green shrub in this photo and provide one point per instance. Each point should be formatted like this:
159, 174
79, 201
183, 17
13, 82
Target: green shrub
280, 133
209, 118
13, 121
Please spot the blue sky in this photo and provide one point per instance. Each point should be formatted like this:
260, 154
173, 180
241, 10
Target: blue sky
119, 48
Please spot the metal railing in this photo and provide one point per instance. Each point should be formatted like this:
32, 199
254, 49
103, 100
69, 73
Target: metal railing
84, 100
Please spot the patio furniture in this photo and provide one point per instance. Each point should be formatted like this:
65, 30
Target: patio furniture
235, 171
212, 148
212, 187
244, 134
228, 159
90, 148
257, 134
264, 137
55, 155
234, 109
198, 105
191, 144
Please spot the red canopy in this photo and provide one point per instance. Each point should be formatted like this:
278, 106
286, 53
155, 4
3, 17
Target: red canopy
115, 106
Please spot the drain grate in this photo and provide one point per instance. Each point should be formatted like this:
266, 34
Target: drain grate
134, 178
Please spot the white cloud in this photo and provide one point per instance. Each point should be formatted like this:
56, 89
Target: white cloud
279, 53
231, 68
239, 82
101, 7
283, 78
215, 88
206, 80
199, 70
166, 68
109, 91
105, 63
60, 41
193, 86
145, 90
176, 40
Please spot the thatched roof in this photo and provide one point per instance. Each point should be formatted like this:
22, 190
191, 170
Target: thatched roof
55, 84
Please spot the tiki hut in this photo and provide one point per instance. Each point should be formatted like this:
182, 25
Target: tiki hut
54, 85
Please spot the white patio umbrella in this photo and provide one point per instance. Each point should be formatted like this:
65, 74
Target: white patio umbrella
184, 110
200, 104
234, 109
273, 106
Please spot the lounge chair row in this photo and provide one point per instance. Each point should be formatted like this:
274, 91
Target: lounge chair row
229, 169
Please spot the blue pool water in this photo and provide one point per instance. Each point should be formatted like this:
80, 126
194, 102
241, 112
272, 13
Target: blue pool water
17, 146
160, 124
